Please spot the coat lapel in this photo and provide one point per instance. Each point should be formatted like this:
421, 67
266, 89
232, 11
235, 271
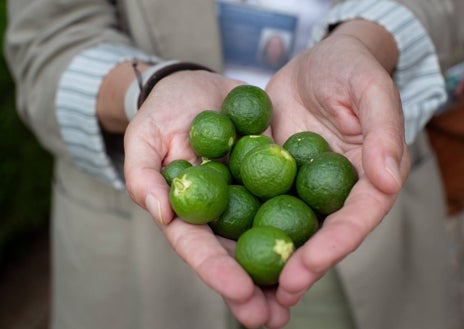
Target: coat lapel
184, 29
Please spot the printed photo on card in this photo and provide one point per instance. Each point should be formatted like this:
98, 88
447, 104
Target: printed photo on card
255, 37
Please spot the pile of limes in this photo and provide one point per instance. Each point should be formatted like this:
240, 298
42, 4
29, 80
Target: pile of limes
269, 197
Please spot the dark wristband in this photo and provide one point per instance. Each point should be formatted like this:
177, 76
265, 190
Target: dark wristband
164, 72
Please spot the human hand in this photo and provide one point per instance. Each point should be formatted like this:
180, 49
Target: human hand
157, 135
340, 90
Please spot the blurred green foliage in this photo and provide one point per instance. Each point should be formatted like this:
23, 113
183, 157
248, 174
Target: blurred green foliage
25, 170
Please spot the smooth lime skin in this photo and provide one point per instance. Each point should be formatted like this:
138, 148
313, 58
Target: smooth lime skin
268, 170
212, 134
263, 252
199, 195
241, 148
305, 145
290, 214
250, 109
221, 168
325, 182
174, 169
239, 214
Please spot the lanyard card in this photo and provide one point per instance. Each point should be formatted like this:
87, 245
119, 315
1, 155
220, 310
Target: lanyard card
255, 37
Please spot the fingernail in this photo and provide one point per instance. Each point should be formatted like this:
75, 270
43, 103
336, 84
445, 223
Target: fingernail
393, 169
154, 207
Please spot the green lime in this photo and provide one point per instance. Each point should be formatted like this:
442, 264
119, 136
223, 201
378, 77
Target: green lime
290, 214
212, 134
221, 168
244, 145
305, 145
250, 109
263, 252
199, 195
174, 169
268, 170
239, 214
325, 182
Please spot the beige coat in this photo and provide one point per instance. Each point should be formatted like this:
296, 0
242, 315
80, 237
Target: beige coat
396, 279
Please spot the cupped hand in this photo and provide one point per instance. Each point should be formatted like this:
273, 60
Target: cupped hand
339, 90
159, 134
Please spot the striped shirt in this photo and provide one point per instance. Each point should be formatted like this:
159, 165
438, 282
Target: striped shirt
76, 106
418, 78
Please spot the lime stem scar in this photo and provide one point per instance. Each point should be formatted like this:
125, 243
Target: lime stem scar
284, 249
181, 184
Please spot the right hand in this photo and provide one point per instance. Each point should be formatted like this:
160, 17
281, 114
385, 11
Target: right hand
157, 135
341, 90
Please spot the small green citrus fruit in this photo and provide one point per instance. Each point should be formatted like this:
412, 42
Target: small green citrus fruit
250, 109
199, 195
244, 145
174, 169
212, 134
268, 170
239, 214
263, 252
220, 167
305, 145
325, 182
290, 214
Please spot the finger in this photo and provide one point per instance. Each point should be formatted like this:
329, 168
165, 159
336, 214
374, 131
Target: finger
279, 315
203, 252
142, 165
200, 249
180, 148
252, 313
340, 235
301, 282
228, 245
383, 130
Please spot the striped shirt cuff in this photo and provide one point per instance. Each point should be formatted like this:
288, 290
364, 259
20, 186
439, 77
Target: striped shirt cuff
76, 106
418, 75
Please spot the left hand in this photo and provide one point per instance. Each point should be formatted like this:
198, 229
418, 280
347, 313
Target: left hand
351, 101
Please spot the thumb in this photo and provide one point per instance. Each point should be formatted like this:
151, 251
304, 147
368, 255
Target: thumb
385, 155
144, 182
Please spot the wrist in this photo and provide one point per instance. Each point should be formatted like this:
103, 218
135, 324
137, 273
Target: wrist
163, 71
126, 87
111, 96
133, 94
376, 39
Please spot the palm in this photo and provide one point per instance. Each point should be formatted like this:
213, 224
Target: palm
361, 122
350, 101
158, 135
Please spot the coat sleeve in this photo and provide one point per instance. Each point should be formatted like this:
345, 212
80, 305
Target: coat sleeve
442, 19
418, 74
41, 40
